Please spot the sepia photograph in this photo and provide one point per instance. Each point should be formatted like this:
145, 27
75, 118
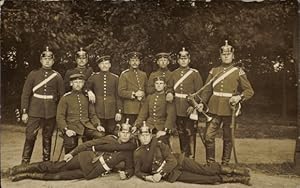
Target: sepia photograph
150, 93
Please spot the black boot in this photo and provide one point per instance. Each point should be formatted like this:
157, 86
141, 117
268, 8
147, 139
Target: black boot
227, 147
210, 152
46, 148
27, 151
235, 170
235, 179
37, 176
34, 167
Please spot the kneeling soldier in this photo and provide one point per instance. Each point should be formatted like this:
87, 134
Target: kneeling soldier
154, 161
76, 116
89, 160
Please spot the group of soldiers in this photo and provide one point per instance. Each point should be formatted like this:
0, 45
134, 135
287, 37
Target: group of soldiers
106, 111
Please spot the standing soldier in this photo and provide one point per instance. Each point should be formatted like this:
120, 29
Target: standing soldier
163, 71
108, 105
41, 92
184, 81
81, 58
76, 116
159, 114
132, 85
154, 161
221, 94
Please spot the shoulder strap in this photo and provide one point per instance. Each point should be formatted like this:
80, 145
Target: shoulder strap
224, 75
183, 78
44, 82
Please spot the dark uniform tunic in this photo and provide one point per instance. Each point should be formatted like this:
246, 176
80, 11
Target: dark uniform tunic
173, 167
74, 112
86, 163
108, 102
159, 73
86, 71
189, 85
130, 81
218, 96
40, 103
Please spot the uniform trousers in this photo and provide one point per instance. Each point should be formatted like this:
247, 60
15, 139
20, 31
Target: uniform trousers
193, 172
109, 125
32, 128
72, 142
210, 135
186, 129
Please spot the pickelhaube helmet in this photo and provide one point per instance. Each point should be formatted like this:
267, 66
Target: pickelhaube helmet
47, 53
131, 55
102, 58
77, 77
125, 127
144, 128
183, 53
81, 53
226, 48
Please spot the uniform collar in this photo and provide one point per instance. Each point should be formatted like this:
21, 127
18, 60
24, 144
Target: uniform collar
46, 70
184, 68
77, 92
132, 69
163, 70
226, 65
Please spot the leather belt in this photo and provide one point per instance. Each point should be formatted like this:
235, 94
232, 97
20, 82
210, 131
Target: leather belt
43, 96
221, 94
103, 163
180, 95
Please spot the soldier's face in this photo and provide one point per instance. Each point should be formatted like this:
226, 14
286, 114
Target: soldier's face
104, 66
227, 58
134, 62
184, 61
145, 138
77, 85
124, 136
81, 61
47, 62
163, 62
159, 85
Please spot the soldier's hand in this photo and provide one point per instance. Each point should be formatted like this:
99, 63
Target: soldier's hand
169, 97
25, 118
235, 99
70, 133
160, 133
133, 129
190, 110
118, 117
100, 128
68, 157
149, 178
92, 97
199, 107
157, 177
122, 175
140, 93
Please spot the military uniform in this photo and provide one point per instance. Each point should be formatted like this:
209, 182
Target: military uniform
159, 114
130, 81
223, 87
108, 102
192, 83
87, 71
91, 159
176, 167
41, 92
159, 73
74, 112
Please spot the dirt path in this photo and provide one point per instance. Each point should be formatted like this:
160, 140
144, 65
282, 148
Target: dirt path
249, 151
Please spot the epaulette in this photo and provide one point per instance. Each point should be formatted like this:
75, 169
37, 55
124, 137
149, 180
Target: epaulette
195, 70
113, 136
115, 75
68, 93
125, 71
